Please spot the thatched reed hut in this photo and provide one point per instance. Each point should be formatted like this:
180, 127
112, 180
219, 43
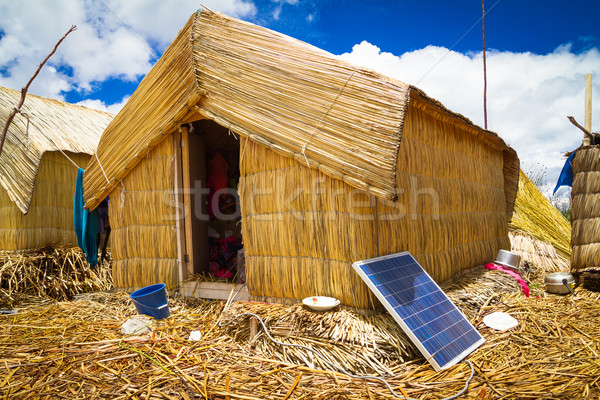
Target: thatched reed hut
37, 181
585, 208
333, 163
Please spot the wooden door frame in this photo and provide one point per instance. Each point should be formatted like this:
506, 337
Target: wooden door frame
183, 204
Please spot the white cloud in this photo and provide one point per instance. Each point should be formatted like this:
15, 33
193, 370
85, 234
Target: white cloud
529, 96
100, 105
159, 21
114, 39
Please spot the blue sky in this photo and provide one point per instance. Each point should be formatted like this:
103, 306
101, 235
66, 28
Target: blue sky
538, 53
401, 26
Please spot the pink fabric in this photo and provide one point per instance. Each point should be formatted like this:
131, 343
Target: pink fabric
512, 273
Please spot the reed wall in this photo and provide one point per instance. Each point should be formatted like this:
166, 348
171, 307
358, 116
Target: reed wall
302, 229
143, 218
50, 216
585, 209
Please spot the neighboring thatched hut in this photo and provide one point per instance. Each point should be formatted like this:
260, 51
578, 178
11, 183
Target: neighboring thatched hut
333, 163
37, 182
585, 208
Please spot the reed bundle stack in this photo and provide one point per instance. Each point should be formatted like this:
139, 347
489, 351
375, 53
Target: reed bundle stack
537, 253
585, 209
49, 272
37, 180
336, 163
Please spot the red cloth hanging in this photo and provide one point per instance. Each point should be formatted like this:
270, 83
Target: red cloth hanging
217, 179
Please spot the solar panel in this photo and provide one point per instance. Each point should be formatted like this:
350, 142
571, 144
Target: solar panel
427, 316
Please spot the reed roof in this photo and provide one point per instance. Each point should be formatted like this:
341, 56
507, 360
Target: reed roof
298, 100
42, 125
536, 216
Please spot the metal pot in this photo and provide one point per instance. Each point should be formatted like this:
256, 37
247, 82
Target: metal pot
560, 283
508, 259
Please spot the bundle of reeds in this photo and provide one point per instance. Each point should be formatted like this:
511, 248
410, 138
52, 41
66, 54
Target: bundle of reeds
54, 272
534, 215
586, 208
536, 253
590, 279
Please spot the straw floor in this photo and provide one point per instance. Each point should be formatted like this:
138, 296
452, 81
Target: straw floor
74, 349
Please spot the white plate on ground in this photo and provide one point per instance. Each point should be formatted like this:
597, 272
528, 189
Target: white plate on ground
500, 321
320, 303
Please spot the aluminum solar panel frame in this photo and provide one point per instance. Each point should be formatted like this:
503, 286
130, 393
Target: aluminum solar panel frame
425, 313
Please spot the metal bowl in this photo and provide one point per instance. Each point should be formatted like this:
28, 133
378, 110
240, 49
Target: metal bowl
508, 259
554, 282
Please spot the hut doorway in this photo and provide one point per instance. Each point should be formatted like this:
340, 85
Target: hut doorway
211, 173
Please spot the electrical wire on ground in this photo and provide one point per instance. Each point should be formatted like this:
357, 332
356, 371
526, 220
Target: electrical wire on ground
328, 363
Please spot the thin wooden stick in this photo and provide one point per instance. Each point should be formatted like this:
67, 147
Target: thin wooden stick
17, 109
585, 131
484, 66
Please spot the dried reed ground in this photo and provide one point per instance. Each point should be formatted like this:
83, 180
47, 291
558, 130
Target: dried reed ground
74, 349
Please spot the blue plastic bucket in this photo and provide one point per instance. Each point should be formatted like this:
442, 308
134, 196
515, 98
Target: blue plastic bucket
152, 301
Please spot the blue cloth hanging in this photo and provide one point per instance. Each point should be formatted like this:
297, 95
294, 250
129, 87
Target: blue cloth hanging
566, 175
86, 224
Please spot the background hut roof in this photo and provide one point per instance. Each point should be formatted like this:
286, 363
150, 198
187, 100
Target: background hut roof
48, 125
298, 100
536, 216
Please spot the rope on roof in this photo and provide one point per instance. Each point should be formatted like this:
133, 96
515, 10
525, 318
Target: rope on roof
303, 152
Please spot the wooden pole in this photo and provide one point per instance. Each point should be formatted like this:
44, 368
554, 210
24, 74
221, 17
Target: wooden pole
588, 107
14, 112
187, 198
484, 67
181, 211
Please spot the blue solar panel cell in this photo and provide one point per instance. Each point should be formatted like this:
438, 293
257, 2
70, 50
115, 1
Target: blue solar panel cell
421, 308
